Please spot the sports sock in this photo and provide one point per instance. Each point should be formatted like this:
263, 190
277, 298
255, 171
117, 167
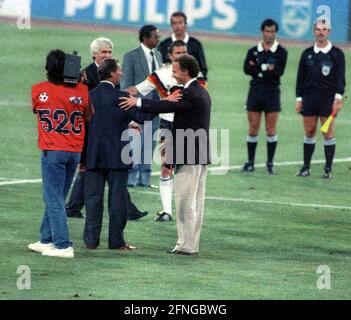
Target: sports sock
251, 147
166, 192
272, 142
308, 149
329, 151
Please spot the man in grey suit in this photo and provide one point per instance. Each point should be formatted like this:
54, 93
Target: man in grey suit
137, 65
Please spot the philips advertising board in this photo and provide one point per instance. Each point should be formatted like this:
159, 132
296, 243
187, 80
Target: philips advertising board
236, 17
14, 8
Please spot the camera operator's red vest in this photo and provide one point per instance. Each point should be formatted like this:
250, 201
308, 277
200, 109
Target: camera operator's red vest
61, 110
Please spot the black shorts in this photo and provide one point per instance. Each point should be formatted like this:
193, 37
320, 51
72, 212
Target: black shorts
164, 126
263, 100
317, 104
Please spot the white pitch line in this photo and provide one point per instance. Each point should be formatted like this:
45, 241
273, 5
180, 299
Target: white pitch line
291, 204
6, 183
214, 169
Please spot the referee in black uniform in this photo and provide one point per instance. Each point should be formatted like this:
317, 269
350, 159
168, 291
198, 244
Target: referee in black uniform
265, 63
320, 86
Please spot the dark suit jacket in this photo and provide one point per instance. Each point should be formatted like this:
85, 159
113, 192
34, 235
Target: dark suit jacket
108, 122
93, 77
193, 112
195, 49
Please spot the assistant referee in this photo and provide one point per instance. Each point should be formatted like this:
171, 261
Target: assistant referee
320, 86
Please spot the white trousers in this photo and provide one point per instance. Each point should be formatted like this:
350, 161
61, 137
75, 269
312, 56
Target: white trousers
190, 187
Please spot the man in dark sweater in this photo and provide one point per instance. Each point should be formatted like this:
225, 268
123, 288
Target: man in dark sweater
194, 46
265, 63
190, 151
320, 87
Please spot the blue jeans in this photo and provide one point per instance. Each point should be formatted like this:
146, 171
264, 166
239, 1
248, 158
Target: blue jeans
142, 146
58, 168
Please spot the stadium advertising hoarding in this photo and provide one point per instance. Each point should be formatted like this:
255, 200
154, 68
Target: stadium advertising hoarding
14, 8
236, 17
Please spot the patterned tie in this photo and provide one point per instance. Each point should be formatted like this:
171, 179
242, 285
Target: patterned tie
153, 64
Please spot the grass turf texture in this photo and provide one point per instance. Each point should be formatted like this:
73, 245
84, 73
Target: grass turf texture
249, 250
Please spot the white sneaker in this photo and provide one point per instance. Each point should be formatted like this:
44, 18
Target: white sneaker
62, 253
40, 247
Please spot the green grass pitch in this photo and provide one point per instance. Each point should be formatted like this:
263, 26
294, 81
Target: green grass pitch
263, 237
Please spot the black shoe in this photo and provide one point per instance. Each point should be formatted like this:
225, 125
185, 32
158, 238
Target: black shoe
270, 168
304, 172
138, 215
327, 174
163, 216
248, 167
75, 214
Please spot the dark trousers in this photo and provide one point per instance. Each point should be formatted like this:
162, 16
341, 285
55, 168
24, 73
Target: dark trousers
95, 181
76, 199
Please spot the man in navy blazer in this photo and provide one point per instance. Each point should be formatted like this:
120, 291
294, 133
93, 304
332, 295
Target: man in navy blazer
190, 153
100, 49
107, 159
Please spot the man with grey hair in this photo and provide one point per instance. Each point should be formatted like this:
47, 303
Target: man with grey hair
320, 87
100, 49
